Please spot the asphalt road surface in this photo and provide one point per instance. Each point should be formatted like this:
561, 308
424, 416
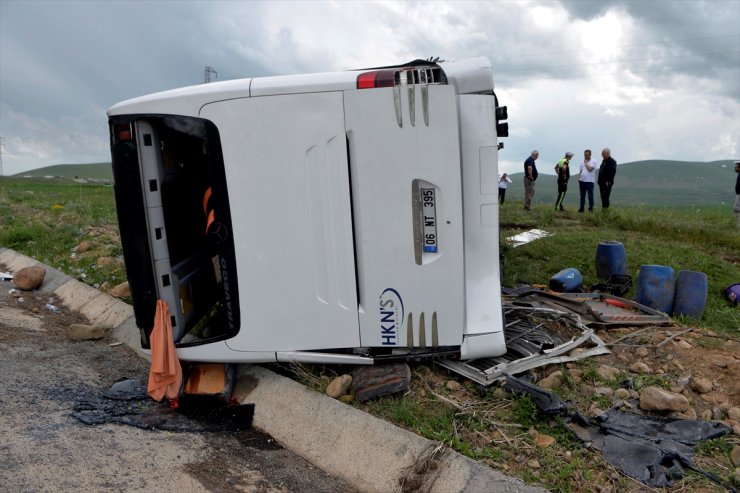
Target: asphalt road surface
45, 378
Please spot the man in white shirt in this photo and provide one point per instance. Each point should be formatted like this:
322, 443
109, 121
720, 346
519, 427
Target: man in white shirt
586, 181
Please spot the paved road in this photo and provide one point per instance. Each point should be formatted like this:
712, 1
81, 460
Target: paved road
44, 376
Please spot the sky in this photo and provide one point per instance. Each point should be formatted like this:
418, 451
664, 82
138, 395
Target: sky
650, 79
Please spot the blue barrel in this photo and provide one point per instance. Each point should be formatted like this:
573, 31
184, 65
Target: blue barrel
566, 281
610, 259
656, 287
691, 293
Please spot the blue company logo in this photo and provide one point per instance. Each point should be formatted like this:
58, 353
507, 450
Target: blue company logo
391, 316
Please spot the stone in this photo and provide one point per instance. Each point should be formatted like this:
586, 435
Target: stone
723, 361
603, 391
657, 399
551, 381
83, 246
683, 344
683, 380
706, 415
642, 352
607, 373
677, 389
121, 291
454, 385
586, 389
734, 413
346, 398
104, 261
533, 464
29, 278
621, 394
640, 368
338, 386
369, 382
701, 385
714, 397
544, 441
81, 332
594, 411
717, 414
690, 414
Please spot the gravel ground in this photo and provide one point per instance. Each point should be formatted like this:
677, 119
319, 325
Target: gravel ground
44, 448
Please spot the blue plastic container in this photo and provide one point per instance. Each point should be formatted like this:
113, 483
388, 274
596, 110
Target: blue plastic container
691, 293
656, 287
611, 259
566, 281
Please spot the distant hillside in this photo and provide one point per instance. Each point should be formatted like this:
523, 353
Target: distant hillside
654, 182
94, 171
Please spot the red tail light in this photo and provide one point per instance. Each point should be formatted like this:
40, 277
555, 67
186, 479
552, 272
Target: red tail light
377, 78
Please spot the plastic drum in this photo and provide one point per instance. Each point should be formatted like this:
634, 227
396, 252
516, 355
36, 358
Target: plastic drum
656, 287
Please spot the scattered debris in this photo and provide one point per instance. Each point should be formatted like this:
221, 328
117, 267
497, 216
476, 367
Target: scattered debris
370, 382
115, 344
6, 276
527, 237
653, 450
52, 308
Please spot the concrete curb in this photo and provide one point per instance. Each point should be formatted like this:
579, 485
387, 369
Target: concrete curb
367, 452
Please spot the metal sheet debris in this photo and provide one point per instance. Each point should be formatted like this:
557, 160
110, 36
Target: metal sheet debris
532, 340
527, 237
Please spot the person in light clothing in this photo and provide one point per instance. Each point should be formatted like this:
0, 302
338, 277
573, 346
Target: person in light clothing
503, 181
586, 181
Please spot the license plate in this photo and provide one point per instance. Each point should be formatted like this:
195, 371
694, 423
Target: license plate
429, 220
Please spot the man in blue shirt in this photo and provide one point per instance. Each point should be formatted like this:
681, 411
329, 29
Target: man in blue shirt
530, 176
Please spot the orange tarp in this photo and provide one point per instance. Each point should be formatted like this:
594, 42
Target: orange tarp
165, 376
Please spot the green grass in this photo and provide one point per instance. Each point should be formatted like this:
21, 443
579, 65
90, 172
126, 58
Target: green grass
704, 240
46, 219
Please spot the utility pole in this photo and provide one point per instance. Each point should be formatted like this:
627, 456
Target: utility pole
207, 74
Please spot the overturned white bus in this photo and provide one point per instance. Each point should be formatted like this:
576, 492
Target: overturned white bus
346, 217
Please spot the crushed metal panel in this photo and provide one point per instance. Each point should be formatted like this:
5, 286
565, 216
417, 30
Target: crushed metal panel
522, 357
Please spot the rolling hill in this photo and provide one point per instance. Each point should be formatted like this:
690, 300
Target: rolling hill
653, 182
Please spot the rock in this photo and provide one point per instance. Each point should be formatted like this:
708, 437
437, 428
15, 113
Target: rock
500, 393
594, 411
29, 278
734, 413
642, 352
621, 394
586, 389
683, 380
575, 375
657, 399
83, 246
640, 368
544, 441
338, 386
80, 332
714, 397
104, 261
683, 344
607, 373
533, 464
121, 291
369, 382
454, 385
717, 414
690, 414
603, 391
723, 361
346, 398
701, 385
677, 389
706, 415
551, 381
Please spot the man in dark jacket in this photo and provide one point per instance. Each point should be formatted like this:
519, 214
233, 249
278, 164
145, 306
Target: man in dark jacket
530, 176
607, 171
737, 193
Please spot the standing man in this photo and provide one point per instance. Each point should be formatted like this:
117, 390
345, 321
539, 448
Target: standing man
607, 171
530, 176
737, 193
586, 181
562, 169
